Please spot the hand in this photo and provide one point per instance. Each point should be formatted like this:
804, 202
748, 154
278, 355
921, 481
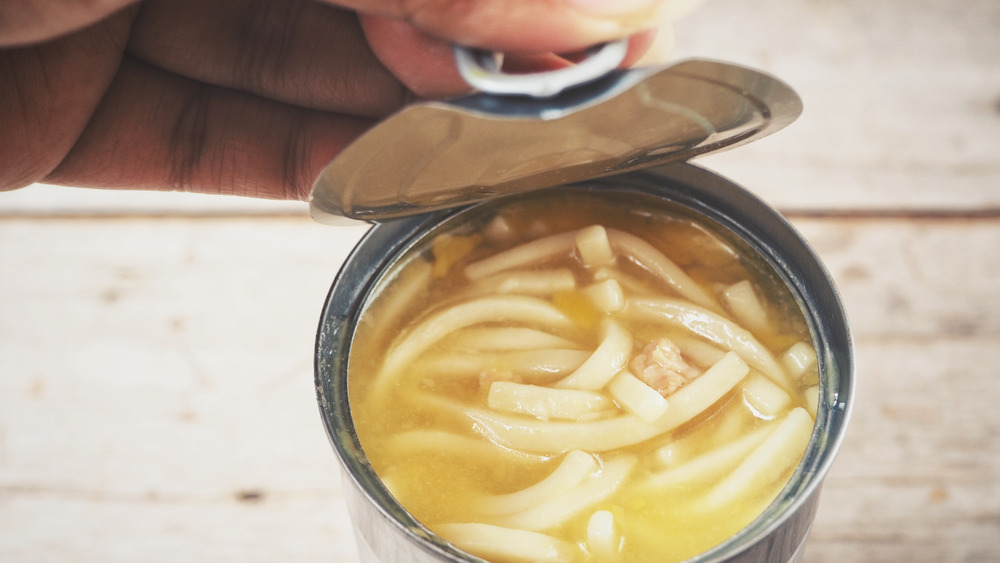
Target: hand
250, 97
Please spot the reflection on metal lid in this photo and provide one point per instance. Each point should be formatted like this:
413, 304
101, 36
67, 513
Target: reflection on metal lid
434, 155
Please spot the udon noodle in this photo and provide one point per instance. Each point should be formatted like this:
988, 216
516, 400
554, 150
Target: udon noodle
572, 379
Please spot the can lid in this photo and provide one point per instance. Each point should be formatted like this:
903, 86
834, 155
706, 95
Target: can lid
439, 154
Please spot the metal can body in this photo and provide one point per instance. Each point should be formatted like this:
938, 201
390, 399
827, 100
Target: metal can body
386, 532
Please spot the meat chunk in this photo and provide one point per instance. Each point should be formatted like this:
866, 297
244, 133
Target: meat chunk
661, 366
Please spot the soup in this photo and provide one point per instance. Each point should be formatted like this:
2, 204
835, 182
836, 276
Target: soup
567, 378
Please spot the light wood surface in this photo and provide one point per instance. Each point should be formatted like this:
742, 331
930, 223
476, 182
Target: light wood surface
156, 397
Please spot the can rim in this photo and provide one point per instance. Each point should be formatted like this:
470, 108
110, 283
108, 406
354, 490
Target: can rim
705, 193
439, 154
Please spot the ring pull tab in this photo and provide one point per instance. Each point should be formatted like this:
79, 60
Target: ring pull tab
482, 70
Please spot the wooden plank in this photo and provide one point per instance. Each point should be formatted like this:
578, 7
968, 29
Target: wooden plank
155, 379
47, 201
902, 100
156, 395
52, 525
916, 278
918, 477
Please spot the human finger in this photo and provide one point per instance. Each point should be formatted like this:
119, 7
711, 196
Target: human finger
525, 25
157, 130
32, 21
299, 52
48, 92
426, 64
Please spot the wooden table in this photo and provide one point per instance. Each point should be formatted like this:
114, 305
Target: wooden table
156, 399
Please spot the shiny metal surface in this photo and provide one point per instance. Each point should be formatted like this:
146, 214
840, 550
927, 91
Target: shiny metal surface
435, 155
482, 70
386, 532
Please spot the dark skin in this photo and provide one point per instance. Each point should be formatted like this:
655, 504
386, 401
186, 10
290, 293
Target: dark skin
246, 97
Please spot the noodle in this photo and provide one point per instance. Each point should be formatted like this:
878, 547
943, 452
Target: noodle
569, 397
545, 403
712, 327
486, 309
508, 338
648, 257
529, 253
607, 360
572, 470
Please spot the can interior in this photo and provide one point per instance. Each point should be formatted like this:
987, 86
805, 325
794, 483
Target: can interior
704, 193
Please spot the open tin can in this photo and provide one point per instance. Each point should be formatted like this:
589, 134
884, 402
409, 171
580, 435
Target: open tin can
627, 135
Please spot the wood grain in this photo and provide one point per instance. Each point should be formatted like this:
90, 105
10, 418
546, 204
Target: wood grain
147, 414
902, 100
918, 476
156, 399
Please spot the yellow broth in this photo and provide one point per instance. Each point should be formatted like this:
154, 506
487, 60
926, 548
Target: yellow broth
440, 461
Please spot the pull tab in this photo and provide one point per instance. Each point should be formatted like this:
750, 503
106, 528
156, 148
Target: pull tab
482, 70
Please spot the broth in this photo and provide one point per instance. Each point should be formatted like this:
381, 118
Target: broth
567, 378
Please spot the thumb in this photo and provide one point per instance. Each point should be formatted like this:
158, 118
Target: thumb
413, 38
426, 64
534, 26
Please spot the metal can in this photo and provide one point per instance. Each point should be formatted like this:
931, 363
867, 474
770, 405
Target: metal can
386, 532
625, 133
